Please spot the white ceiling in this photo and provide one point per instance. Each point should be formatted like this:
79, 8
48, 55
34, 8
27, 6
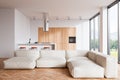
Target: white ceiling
57, 8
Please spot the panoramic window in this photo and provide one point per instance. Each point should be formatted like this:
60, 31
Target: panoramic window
94, 33
113, 30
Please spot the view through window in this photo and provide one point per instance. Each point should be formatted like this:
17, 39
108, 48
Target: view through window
96, 33
94, 30
113, 30
92, 35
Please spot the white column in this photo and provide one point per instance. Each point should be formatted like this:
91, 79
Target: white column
103, 30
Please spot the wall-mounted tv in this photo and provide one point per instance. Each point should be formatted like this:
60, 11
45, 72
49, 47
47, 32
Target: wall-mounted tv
72, 39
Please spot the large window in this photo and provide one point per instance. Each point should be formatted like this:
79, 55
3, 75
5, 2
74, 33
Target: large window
94, 32
119, 35
113, 30
92, 35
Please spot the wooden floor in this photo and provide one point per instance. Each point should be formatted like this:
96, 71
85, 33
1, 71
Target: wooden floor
40, 74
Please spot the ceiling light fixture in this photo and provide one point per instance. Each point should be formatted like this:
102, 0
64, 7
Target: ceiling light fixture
68, 18
80, 18
57, 18
46, 22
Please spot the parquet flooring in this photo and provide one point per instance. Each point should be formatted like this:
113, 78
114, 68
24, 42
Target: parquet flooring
40, 74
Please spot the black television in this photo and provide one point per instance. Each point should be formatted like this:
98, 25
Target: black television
72, 39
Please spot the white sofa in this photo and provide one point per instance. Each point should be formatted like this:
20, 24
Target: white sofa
109, 64
24, 59
19, 63
88, 64
52, 58
33, 54
81, 64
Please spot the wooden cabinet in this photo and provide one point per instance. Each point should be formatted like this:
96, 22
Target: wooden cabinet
46, 36
59, 36
65, 35
72, 31
59, 46
41, 37
51, 35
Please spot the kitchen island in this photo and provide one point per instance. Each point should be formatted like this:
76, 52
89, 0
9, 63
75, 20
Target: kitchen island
38, 46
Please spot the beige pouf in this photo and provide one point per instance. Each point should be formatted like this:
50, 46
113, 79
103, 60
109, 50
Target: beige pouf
19, 63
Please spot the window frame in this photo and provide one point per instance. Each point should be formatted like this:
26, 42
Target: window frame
93, 18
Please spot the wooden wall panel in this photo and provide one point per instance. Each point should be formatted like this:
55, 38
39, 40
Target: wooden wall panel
46, 36
65, 35
71, 46
41, 37
72, 31
59, 36
59, 46
51, 35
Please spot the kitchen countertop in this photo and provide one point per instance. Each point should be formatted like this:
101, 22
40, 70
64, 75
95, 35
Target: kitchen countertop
43, 43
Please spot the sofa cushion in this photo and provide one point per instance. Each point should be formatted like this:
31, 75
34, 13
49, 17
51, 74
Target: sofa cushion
109, 63
85, 69
19, 63
76, 53
92, 55
33, 54
51, 62
76, 59
53, 53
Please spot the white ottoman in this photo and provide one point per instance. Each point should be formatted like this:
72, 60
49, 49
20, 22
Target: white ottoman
19, 63
85, 69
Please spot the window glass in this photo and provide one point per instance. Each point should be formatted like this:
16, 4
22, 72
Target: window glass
92, 35
96, 33
113, 30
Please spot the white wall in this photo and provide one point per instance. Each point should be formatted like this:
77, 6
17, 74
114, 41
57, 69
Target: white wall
34, 24
22, 28
83, 36
82, 33
6, 33
14, 29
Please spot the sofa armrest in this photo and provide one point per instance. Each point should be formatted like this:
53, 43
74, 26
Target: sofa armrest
109, 63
